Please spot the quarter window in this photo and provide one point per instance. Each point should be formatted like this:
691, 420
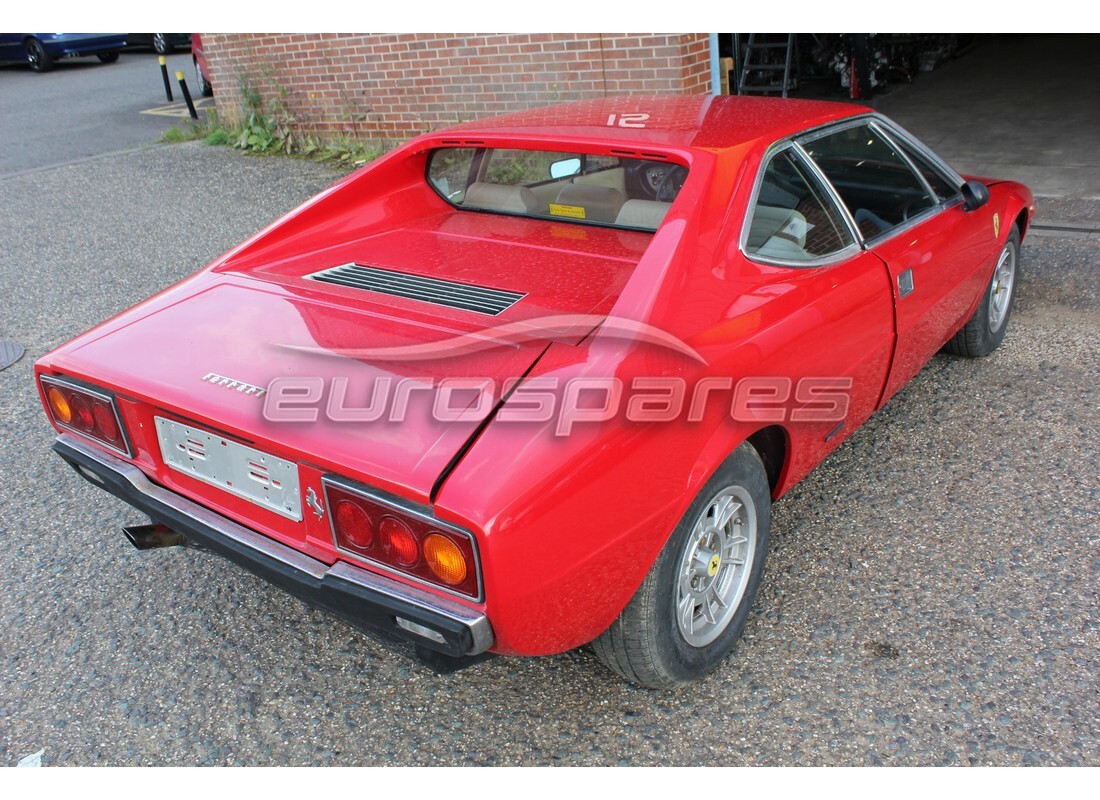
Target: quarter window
793, 218
941, 185
874, 181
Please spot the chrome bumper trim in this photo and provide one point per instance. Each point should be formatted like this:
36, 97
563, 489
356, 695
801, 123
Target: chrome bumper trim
306, 566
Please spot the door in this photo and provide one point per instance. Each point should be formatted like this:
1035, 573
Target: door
931, 247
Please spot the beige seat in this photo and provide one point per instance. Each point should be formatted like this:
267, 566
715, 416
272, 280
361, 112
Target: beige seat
648, 214
778, 233
500, 197
600, 203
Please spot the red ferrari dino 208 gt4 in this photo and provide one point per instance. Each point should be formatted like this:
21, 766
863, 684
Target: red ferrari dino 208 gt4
535, 381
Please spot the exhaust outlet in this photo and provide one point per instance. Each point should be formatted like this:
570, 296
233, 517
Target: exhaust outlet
147, 537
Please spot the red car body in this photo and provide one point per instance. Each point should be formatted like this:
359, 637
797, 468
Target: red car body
202, 72
565, 528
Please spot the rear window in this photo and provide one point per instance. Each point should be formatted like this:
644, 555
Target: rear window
569, 187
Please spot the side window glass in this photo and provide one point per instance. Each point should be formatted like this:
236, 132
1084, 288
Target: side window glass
793, 219
875, 183
940, 183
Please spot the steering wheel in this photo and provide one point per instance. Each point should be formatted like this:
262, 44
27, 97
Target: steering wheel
915, 207
648, 175
671, 183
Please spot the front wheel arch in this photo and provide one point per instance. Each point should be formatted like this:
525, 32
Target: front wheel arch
984, 331
1022, 220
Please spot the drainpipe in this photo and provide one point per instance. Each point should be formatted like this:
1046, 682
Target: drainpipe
715, 77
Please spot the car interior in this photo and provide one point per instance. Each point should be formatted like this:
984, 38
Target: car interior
790, 220
876, 184
605, 190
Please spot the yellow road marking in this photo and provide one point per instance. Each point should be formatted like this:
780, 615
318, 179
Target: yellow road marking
179, 108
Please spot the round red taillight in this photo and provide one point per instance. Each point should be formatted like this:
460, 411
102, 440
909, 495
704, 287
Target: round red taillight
398, 541
354, 524
82, 413
105, 423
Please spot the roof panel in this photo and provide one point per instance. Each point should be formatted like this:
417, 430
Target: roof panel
703, 121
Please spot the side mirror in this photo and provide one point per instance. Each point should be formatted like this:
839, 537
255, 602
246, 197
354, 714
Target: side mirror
975, 195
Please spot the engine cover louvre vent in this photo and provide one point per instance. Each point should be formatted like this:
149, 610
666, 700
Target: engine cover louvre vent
469, 297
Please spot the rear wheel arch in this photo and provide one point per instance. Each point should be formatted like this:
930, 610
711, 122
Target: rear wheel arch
641, 644
772, 444
688, 613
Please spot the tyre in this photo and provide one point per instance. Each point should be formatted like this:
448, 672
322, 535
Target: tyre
204, 87
982, 334
161, 44
37, 56
110, 57
690, 610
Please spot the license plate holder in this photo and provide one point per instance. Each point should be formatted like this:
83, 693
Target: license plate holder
260, 478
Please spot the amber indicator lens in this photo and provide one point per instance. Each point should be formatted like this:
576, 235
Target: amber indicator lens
409, 543
59, 405
445, 559
84, 411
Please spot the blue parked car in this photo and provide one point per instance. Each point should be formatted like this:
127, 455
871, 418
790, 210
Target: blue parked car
41, 50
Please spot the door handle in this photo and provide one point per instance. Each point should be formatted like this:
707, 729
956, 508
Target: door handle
905, 283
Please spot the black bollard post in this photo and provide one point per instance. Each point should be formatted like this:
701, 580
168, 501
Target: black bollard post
186, 95
164, 74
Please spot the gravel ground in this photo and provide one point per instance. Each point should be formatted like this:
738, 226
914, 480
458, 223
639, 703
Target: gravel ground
930, 597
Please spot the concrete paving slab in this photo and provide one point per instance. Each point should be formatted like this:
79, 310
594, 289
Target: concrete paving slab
1017, 106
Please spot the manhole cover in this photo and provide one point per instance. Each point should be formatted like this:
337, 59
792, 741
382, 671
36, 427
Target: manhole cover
10, 352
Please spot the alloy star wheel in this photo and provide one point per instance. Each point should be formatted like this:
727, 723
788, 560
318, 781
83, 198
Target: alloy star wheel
714, 566
1000, 289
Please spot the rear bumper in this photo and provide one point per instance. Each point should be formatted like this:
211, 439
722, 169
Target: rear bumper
364, 598
83, 44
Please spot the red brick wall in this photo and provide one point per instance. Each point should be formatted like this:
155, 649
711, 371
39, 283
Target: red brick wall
388, 87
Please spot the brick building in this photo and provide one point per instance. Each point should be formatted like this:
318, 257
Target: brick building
386, 88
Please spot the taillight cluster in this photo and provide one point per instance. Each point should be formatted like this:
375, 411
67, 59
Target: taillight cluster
409, 542
86, 411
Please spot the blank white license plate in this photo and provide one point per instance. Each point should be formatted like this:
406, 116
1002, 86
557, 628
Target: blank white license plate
256, 476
